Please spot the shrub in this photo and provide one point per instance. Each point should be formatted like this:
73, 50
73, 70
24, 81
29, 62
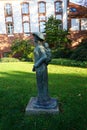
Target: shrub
21, 49
67, 62
61, 53
80, 53
6, 59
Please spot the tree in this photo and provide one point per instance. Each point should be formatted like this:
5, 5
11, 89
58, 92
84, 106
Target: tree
22, 49
55, 35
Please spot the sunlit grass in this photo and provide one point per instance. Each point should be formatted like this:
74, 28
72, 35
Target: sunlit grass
18, 85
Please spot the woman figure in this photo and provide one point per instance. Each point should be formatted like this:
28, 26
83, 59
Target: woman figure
43, 100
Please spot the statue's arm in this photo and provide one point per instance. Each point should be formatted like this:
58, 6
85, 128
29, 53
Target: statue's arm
42, 59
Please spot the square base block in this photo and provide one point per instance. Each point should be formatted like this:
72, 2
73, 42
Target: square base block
31, 110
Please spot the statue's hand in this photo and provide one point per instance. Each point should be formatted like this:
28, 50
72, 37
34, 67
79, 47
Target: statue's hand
33, 68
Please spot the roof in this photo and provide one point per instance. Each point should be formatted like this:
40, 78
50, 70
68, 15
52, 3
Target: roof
79, 2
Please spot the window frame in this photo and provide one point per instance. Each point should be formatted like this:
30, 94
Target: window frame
75, 27
41, 15
41, 12
27, 15
24, 10
24, 28
56, 11
83, 24
10, 27
8, 10
59, 13
41, 27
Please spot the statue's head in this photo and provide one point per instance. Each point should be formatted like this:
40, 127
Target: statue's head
46, 45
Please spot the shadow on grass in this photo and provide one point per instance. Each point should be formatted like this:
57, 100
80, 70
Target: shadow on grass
16, 88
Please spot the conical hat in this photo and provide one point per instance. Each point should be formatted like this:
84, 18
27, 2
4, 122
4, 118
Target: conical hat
40, 35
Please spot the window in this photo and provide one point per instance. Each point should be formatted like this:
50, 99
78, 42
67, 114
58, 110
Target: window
75, 24
73, 10
9, 28
58, 12
42, 26
58, 6
84, 24
60, 26
42, 15
25, 18
8, 9
26, 28
42, 7
9, 19
25, 8
59, 17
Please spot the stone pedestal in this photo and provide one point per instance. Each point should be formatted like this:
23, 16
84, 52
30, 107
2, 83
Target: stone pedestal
31, 110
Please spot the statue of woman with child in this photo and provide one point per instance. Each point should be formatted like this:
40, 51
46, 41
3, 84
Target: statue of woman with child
42, 57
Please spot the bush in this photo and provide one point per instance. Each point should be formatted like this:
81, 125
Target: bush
67, 62
6, 59
22, 50
61, 53
80, 53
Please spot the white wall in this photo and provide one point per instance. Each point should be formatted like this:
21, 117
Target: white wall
49, 8
2, 19
65, 14
34, 16
17, 19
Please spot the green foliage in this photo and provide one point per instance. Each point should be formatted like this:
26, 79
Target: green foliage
22, 49
80, 52
57, 38
55, 35
61, 52
67, 62
7, 59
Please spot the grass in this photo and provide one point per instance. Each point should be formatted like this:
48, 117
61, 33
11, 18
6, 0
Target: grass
18, 85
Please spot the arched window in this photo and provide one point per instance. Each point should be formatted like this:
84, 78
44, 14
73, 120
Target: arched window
42, 7
25, 8
58, 6
8, 9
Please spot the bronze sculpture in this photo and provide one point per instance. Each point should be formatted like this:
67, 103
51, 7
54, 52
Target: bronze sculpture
43, 100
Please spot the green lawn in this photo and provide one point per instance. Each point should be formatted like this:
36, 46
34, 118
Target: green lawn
18, 85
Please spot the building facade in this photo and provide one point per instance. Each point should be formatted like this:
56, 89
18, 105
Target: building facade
19, 18
77, 21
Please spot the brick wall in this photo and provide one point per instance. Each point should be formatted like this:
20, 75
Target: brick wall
6, 42
77, 36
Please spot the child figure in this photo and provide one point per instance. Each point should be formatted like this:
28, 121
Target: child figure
48, 52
